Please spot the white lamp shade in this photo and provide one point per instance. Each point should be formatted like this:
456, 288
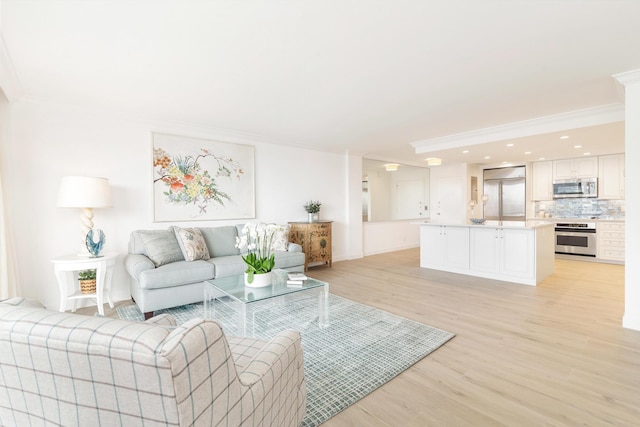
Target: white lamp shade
84, 192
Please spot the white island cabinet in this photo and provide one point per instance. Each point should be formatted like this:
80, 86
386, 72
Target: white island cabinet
520, 254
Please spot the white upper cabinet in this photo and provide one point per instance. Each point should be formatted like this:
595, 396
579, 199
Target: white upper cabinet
582, 167
542, 187
611, 179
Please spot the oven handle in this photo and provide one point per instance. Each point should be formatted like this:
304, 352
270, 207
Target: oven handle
566, 232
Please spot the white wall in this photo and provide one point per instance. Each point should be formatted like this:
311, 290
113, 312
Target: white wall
50, 141
353, 233
386, 236
450, 193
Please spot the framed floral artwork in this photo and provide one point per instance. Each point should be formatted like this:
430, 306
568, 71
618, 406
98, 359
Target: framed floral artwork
200, 179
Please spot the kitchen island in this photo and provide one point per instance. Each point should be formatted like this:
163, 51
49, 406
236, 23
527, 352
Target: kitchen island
511, 252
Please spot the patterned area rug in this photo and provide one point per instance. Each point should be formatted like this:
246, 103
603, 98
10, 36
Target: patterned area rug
362, 349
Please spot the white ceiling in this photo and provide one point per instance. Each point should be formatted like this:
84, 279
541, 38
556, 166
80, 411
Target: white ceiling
367, 76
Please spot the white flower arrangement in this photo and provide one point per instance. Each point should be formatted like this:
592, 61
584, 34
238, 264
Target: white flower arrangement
258, 237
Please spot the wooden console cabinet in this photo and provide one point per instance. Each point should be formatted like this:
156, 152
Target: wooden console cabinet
315, 239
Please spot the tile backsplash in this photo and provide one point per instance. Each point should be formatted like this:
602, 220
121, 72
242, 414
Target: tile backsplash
581, 208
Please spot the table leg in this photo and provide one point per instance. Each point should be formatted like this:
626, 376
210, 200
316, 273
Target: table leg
323, 307
101, 275
210, 297
61, 276
107, 283
242, 324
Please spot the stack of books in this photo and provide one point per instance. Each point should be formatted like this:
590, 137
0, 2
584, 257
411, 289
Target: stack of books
296, 279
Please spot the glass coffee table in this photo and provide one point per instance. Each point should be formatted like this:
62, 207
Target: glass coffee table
232, 291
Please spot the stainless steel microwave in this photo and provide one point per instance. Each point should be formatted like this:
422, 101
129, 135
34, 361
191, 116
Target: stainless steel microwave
581, 187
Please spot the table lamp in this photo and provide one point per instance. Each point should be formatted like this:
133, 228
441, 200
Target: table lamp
86, 193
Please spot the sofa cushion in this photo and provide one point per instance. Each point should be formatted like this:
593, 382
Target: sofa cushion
176, 273
286, 259
161, 246
228, 265
191, 243
221, 241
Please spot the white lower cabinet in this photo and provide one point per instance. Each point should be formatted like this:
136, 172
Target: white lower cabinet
504, 251
444, 246
610, 244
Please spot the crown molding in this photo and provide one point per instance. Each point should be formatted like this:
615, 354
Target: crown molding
571, 120
628, 77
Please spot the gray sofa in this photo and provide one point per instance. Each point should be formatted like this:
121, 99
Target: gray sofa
162, 278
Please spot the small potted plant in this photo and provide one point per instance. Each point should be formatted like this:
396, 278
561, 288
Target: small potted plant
87, 279
313, 209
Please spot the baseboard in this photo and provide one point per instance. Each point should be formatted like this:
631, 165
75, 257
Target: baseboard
398, 248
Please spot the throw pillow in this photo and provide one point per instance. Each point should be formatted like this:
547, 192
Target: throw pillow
192, 243
161, 246
280, 241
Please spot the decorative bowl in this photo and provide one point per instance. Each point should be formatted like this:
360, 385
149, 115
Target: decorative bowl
477, 221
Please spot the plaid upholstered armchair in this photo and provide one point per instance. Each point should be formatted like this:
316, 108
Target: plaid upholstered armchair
71, 370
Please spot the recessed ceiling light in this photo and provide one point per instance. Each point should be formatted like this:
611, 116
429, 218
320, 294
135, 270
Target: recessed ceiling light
587, 154
541, 158
505, 163
509, 145
434, 161
564, 137
527, 152
487, 157
465, 151
577, 146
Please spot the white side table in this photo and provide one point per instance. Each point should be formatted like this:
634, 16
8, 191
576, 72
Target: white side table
66, 268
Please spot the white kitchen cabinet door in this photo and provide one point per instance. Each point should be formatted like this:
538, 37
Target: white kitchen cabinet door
431, 244
542, 188
583, 167
611, 177
456, 247
517, 252
563, 169
586, 167
484, 249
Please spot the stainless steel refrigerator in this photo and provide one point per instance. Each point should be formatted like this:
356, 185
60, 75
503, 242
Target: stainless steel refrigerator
505, 188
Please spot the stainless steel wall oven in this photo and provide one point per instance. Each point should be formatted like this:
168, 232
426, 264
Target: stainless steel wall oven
576, 238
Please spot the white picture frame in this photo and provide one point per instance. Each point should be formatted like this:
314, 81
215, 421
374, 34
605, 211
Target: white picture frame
197, 179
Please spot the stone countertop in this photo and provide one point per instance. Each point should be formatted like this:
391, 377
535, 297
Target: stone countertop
496, 224
554, 220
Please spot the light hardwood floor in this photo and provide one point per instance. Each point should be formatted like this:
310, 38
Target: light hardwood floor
551, 355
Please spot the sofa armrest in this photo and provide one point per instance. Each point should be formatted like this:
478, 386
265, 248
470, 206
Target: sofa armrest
136, 264
163, 320
281, 352
23, 302
294, 247
277, 373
